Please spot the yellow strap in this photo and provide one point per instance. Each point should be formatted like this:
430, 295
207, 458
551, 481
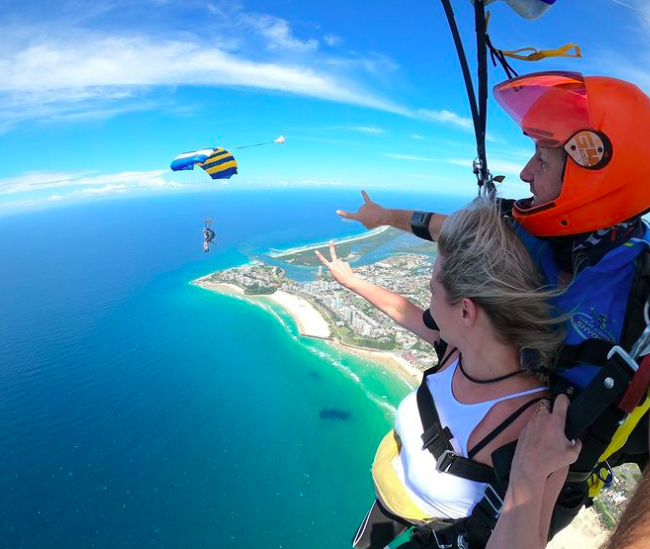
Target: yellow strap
619, 439
536, 55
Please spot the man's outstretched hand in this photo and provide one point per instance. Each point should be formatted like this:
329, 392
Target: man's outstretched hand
370, 214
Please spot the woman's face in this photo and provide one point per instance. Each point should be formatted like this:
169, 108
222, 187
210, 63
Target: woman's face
445, 315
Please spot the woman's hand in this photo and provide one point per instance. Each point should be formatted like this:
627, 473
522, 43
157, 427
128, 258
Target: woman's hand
543, 447
340, 269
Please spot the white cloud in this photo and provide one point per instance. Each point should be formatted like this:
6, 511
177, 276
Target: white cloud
446, 117
374, 130
497, 165
93, 184
417, 137
332, 40
100, 76
408, 157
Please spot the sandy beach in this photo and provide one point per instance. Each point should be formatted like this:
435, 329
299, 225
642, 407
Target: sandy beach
393, 361
585, 532
310, 322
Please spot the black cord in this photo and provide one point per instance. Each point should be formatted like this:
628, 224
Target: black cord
485, 381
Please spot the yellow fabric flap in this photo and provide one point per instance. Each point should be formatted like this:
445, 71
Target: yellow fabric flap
536, 55
388, 486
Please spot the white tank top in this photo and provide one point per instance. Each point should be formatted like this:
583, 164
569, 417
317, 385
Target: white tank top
441, 495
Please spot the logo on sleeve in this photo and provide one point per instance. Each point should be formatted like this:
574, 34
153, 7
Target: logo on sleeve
593, 325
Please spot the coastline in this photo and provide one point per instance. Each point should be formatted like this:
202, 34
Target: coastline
276, 254
311, 323
391, 360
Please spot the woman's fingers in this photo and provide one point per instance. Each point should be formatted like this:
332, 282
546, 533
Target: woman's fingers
333, 251
322, 259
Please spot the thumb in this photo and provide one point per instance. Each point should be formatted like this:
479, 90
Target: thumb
366, 198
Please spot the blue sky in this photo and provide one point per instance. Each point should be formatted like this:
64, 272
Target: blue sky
96, 98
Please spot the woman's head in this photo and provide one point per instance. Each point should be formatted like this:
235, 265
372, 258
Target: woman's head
483, 263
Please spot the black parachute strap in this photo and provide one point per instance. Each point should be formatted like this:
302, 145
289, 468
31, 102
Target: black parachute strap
590, 351
478, 109
637, 305
501, 427
497, 55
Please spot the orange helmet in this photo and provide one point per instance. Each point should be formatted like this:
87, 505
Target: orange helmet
602, 124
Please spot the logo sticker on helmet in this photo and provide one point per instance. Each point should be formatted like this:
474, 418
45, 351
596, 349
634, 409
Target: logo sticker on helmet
589, 149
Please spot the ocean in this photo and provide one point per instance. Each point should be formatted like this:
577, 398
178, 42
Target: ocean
137, 410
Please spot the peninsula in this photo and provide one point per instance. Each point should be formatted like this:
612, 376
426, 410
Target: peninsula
323, 309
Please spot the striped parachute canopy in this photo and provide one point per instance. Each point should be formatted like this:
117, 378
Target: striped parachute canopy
218, 163
529, 9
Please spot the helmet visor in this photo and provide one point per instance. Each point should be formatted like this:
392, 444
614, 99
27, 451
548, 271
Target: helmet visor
550, 107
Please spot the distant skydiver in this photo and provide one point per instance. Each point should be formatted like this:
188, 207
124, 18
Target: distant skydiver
208, 235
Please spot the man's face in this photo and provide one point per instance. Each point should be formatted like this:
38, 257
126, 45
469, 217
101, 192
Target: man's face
544, 173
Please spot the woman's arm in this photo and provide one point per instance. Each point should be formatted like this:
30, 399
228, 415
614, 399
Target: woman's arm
539, 469
400, 309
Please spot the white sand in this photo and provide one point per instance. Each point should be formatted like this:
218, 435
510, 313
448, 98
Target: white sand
394, 361
310, 322
585, 532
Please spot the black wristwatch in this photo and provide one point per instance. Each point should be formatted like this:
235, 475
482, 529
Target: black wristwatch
420, 224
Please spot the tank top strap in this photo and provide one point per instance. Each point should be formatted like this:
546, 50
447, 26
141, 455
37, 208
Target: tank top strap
517, 395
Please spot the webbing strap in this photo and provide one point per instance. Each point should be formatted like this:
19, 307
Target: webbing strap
605, 389
437, 439
638, 387
589, 351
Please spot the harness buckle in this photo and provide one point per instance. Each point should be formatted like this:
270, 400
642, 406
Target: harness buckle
439, 543
496, 505
426, 536
640, 347
605, 473
624, 355
446, 460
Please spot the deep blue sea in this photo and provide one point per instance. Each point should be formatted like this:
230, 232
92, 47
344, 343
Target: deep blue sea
138, 411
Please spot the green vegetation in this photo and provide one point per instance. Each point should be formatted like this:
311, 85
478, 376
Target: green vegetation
603, 513
259, 290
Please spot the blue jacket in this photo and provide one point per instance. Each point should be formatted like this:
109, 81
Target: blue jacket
596, 298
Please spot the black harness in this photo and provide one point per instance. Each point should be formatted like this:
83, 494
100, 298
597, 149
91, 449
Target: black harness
475, 529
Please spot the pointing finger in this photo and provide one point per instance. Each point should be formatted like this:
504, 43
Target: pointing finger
347, 215
366, 198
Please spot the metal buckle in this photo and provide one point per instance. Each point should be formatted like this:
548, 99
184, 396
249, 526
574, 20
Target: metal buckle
609, 479
445, 460
441, 545
618, 350
497, 510
640, 348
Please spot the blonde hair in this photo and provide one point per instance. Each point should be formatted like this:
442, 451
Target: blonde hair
483, 259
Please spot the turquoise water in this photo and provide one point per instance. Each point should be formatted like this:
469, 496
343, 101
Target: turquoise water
137, 410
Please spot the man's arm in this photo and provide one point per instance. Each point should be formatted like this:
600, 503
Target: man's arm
371, 215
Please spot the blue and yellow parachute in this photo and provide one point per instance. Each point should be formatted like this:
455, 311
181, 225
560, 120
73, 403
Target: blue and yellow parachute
218, 163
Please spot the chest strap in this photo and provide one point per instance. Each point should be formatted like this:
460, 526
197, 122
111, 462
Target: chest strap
437, 439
